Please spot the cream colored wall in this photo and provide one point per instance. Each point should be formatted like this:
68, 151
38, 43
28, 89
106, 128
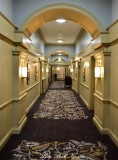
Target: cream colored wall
5, 92
60, 73
33, 88
75, 77
16, 97
84, 80
45, 75
113, 127
6, 114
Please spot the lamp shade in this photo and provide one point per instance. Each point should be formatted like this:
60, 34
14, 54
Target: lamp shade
24, 72
97, 72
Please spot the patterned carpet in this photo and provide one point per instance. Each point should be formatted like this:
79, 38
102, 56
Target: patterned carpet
57, 84
60, 104
59, 127
71, 150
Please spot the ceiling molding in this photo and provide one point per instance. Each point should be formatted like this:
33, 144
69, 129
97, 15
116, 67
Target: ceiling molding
41, 35
57, 44
82, 31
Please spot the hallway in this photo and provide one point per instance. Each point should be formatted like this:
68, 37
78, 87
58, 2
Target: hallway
59, 127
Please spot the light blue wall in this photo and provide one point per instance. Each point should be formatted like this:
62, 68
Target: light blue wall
51, 48
83, 42
6, 8
114, 10
101, 9
38, 42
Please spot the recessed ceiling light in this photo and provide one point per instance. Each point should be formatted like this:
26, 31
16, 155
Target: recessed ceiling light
60, 20
59, 54
60, 41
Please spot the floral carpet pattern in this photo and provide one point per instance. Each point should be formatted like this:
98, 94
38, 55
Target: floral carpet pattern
59, 127
57, 84
60, 104
71, 150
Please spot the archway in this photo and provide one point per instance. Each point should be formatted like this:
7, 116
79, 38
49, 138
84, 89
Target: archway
70, 12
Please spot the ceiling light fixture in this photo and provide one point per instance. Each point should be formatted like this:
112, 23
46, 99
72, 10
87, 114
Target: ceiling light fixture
60, 41
59, 54
60, 20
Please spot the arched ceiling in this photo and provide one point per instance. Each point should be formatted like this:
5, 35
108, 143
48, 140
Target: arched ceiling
82, 17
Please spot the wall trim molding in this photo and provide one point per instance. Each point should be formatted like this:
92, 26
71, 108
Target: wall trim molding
20, 98
113, 137
99, 126
7, 20
6, 39
114, 103
28, 89
75, 89
104, 101
84, 85
31, 105
5, 139
5, 104
107, 131
17, 130
113, 24
84, 101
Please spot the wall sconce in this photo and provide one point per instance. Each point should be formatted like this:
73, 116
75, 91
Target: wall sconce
58, 69
71, 69
24, 72
86, 64
97, 72
47, 70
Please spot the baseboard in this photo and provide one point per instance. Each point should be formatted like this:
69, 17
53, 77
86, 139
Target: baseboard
99, 126
19, 129
5, 139
84, 101
75, 90
113, 137
31, 105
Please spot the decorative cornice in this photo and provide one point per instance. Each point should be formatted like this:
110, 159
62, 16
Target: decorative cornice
6, 39
79, 36
7, 20
112, 24
41, 35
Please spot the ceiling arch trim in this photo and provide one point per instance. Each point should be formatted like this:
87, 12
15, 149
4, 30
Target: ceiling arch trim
54, 51
61, 10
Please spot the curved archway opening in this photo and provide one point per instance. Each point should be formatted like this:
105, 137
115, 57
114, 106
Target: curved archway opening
59, 56
59, 52
72, 13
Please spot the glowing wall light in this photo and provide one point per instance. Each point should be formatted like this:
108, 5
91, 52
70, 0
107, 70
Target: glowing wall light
47, 70
24, 72
58, 69
71, 69
97, 72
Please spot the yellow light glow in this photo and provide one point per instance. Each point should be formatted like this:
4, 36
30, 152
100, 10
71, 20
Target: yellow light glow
47, 70
97, 72
71, 69
24, 72
60, 41
61, 20
58, 68
59, 59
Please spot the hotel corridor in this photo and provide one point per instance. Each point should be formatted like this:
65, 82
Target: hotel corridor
59, 127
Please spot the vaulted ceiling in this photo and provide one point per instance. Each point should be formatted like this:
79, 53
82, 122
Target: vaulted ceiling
53, 31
